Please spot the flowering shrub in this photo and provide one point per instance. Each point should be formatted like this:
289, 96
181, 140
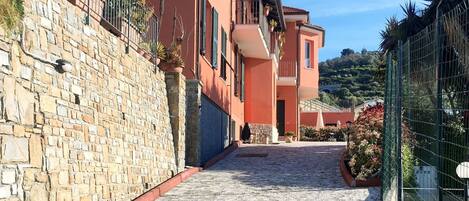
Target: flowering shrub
311, 134
365, 142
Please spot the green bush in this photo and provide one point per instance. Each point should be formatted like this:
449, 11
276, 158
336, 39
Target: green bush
13, 12
308, 132
324, 134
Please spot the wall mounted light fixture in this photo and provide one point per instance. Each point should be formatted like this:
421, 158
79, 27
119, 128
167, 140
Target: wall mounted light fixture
63, 65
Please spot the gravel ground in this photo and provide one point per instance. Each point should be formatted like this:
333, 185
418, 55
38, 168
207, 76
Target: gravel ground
296, 171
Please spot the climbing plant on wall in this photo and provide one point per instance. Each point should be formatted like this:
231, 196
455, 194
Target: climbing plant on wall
12, 13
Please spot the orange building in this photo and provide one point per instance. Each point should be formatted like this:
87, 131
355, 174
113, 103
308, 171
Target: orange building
232, 63
298, 77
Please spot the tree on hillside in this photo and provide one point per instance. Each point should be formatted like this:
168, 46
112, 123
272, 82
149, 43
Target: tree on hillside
347, 52
351, 79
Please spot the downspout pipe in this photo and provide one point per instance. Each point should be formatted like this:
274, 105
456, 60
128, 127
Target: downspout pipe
298, 68
197, 46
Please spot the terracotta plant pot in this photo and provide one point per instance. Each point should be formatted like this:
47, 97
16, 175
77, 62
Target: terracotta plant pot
177, 69
157, 61
147, 55
288, 139
169, 67
141, 51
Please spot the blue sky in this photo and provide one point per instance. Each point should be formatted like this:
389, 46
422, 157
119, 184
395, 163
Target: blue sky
350, 23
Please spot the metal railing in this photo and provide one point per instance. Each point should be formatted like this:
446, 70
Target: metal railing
426, 132
287, 69
131, 21
252, 12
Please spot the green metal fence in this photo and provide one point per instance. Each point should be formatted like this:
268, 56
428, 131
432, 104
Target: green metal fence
427, 112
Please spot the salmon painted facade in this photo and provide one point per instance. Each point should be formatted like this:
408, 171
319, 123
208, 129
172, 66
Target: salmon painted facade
298, 78
234, 51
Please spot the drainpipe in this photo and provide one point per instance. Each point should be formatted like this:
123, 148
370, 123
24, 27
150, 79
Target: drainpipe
298, 68
231, 80
197, 46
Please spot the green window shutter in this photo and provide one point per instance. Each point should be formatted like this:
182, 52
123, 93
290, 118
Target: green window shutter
214, 38
203, 27
223, 42
242, 79
236, 69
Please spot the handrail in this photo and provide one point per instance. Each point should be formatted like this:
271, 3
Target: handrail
131, 21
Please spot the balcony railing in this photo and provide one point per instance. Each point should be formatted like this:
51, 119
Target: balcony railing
287, 69
252, 12
131, 21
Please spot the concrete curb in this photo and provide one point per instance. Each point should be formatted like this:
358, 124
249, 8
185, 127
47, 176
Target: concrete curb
222, 155
169, 184
352, 182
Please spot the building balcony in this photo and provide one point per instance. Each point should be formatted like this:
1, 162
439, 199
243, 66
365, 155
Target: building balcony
287, 73
252, 32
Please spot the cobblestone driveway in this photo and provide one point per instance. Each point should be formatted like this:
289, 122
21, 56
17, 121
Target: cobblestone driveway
298, 171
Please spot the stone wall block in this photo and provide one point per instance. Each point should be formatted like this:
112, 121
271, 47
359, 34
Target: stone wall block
6, 129
14, 149
35, 147
38, 192
9, 99
47, 104
5, 191
25, 105
8, 176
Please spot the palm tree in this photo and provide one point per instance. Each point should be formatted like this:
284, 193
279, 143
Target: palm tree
413, 22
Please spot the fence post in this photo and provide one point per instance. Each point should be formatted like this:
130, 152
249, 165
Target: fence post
127, 48
399, 119
88, 15
155, 38
439, 104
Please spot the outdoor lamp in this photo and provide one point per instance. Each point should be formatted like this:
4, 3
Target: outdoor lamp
64, 65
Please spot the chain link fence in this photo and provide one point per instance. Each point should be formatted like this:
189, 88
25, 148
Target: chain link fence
426, 132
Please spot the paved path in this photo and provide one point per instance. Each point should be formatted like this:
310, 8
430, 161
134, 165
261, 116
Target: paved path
298, 171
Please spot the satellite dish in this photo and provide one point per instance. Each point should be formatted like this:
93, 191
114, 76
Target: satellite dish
463, 170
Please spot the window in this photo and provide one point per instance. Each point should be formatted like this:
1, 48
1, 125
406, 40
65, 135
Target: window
236, 70
214, 38
308, 54
203, 27
242, 79
223, 54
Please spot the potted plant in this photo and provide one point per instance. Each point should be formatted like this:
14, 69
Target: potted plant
272, 24
140, 15
289, 137
267, 9
173, 61
144, 50
160, 51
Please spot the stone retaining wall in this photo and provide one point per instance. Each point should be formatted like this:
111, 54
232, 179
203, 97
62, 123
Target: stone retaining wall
263, 134
100, 132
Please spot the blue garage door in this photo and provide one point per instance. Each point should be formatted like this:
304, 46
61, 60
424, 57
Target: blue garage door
214, 129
